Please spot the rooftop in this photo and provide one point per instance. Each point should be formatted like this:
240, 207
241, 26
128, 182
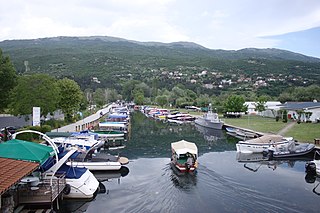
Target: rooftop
12, 171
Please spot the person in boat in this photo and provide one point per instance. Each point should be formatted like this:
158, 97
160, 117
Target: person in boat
189, 162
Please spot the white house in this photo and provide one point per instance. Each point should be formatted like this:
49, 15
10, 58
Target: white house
271, 108
311, 107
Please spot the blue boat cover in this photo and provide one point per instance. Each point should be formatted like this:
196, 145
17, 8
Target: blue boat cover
71, 172
117, 116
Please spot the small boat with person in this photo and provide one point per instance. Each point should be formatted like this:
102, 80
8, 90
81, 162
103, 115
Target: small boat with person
184, 156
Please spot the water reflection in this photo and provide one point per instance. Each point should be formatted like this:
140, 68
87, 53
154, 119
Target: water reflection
221, 183
152, 138
184, 181
253, 161
107, 175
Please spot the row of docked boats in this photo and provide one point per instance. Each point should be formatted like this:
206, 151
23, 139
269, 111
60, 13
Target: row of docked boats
70, 158
209, 119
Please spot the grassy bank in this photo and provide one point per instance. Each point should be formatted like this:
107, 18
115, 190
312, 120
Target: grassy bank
304, 132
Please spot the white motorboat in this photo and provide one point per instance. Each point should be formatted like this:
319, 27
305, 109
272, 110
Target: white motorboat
80, 181
116, 126
210, 120
184, 156
98, 161
263, 143
84, 140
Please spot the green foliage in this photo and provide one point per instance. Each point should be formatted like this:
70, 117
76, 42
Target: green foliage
99, 97
32, 136
139, 98
309, 93
235, 103
7, 80
38, 90
203, 100
162, 100
260, 104
127, 89
70, 97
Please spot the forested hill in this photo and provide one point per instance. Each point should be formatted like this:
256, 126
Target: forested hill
109, 58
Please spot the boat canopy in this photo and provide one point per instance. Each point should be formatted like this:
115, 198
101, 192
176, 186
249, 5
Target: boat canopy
183, 147
25, 150
119, 116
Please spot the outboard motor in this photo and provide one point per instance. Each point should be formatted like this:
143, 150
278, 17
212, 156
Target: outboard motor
268, 152
311, 168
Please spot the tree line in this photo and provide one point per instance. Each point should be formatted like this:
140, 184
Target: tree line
19, 93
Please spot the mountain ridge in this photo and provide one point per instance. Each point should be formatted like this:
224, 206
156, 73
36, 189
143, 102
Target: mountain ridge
272, 53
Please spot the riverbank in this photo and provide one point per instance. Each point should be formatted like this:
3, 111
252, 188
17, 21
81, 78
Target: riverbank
303, 132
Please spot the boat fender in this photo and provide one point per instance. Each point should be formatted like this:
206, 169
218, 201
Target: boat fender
102, 188
67, 189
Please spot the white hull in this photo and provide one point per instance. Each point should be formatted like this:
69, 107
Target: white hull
317, 163
87, 144
84, 187
97, 166
108, 136
209, 124
259, 148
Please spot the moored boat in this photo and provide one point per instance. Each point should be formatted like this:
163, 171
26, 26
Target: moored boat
245, 134
85, 140
291, 151
184, 156
262, 143
210, 120
98, 161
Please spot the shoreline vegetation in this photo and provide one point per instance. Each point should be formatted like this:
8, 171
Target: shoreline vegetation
303, 132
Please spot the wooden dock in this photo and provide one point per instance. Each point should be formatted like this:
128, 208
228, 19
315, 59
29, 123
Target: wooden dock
44, 193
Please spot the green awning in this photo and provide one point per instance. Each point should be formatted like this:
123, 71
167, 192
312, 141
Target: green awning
25, 150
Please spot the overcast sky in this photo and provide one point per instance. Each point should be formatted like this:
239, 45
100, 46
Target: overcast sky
216, 24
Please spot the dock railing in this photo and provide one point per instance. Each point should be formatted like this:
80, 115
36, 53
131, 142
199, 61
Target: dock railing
44, 192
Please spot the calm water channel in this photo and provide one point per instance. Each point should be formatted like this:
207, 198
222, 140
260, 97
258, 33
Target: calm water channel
224, 181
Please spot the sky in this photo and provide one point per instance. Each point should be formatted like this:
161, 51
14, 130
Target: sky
292, 25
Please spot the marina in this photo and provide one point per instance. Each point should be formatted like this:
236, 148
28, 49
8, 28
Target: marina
221, 181
222, 175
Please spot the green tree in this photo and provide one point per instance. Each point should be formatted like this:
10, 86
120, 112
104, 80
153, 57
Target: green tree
235, 103
70, 97
127, 89
38, 90
99, 97
112, 95
203, 100
162, 100
8, 81
139, 98
260, 104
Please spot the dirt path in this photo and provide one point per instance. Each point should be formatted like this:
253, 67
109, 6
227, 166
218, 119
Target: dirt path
286, 128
